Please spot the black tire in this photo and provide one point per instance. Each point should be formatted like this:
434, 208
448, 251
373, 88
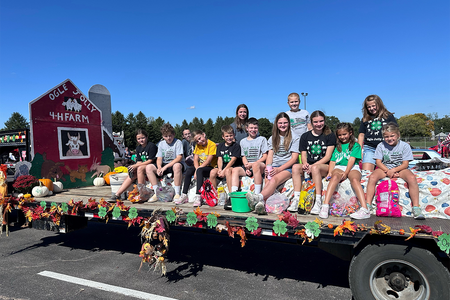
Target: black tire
396, 271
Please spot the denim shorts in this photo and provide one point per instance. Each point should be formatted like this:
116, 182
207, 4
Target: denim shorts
288, 169
368, 153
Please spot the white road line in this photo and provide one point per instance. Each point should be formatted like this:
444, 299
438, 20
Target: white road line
103, 286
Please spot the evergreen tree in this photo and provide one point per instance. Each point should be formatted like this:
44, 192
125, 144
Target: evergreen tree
16, 122
217, 135
209, 127
118, 121
157, 124
356, 124
178, 132
265, 127
196, 124
184, 125
130, 131
332, 122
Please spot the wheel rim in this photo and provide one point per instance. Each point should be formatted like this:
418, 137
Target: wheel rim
398, 279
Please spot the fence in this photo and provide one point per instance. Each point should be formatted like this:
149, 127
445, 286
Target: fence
420, 142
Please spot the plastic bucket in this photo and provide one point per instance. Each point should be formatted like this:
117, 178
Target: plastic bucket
239, 202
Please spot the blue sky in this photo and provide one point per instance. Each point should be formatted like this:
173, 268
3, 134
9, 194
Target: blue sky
163, 57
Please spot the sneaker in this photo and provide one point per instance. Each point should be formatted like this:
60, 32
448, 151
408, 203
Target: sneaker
370, 207
176, 197
123, 196
197, 200
362, 213
153, 199
317, 206
260, 208
323, 214
113, 198
294, 205
417, 213
181, 199
253, 199
227, 205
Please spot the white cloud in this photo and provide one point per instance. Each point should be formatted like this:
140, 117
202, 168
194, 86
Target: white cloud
191, 107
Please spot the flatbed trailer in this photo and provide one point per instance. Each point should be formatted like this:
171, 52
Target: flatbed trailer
384, 263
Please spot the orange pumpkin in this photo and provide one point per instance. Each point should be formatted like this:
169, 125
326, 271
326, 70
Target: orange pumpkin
48, 183
106, 177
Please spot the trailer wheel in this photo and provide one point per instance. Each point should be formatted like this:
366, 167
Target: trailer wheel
395, 271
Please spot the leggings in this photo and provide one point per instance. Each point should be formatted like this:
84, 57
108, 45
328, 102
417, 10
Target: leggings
201, 174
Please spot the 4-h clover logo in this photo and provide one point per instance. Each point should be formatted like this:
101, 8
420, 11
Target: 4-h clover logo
170, 216
116, 212
279, 227
64, 207
312, 229
316, 149
211, 220
143, 157
444, 242
132, 213
226, 158
251, 224
191, 218
376, 125
102, 212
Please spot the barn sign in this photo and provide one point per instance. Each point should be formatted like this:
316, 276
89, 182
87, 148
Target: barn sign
66, 136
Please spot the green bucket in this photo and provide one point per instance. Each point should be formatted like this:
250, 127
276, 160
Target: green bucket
239, 202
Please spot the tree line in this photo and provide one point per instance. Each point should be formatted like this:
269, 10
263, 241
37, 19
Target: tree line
416, 125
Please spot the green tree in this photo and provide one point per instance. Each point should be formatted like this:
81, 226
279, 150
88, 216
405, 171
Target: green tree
178, 132
217, 135
16, 122
130, 131
197, 124
157, 124
265, 127
414, 125
209, 127
184, 125
118, 121
356, 123
440, 124
332, 122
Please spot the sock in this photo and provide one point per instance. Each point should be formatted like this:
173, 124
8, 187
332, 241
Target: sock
257, 188
319, 198
234, 188
154, 187
296, 195
177, 189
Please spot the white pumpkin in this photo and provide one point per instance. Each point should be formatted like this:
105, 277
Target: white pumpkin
99, 181
40, 191
58, 186
50, 193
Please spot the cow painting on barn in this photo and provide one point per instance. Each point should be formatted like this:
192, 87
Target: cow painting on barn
73, 143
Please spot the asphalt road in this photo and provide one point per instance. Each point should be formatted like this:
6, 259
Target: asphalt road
200, 266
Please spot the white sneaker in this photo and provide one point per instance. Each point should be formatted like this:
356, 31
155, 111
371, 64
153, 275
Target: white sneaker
316, 208
324, 211
197, 200
176, 197
362, 213
260, 208
294, 205
253, 199
153, 199
181, 199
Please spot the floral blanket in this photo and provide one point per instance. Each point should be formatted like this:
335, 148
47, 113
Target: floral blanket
434, 193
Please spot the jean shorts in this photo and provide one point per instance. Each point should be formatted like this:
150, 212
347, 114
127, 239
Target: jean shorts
288, 169
368, 153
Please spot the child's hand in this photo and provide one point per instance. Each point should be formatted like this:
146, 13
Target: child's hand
343, 177
390, 173
248, 166
248, 172
160, 171
329, 176
221, 173
274, 172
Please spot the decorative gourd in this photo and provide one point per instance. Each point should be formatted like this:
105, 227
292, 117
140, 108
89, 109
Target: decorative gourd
106, 177
40, 191
57, 186
48, 183
99, 181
